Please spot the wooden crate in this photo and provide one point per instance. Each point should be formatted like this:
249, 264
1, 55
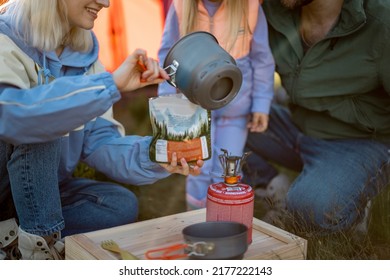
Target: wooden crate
269, 242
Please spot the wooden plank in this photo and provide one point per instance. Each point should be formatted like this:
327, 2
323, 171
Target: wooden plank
87, 245
269, 242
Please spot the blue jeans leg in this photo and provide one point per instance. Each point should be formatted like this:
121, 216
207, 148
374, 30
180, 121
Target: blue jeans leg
337, 177
277, 145
32, 171
89, 205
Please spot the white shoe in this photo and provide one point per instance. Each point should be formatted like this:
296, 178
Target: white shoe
34, 247
275, 192
8, 239
274, 198
362, 227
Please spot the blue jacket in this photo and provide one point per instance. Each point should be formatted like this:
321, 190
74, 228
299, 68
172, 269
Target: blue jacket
44, 97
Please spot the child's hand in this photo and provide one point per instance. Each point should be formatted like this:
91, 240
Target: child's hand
258, 123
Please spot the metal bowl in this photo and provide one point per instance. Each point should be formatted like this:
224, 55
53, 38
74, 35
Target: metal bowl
216, 240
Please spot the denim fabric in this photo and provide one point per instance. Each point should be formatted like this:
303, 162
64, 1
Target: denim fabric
336, 179
29, 171
29, 184
90, 205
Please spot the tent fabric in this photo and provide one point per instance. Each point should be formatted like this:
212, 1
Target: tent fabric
127, 25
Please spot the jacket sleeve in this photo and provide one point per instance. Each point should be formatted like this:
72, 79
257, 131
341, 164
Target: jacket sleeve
170, 35
105, 146
263, 67
47, 112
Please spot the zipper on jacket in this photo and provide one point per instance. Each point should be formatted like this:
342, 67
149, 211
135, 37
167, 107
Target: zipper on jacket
333, 40
297, 71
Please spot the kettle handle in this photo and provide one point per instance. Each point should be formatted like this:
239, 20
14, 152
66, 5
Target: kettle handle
171, 70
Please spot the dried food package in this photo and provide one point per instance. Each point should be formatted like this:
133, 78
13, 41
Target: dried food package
179, 126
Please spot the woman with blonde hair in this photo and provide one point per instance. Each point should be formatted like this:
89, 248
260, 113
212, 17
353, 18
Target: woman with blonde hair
241, 29
56, 110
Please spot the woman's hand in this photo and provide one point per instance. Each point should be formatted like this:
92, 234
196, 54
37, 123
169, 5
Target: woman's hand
184, 168
138, 70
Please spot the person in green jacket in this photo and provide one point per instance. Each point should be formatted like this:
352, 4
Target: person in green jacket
333, 58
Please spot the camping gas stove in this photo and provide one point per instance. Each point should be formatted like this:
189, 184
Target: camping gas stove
231, 200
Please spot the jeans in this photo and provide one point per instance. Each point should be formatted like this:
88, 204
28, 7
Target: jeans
89, 205
30, 191
336, 177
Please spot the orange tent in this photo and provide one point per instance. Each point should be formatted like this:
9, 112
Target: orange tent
127, 25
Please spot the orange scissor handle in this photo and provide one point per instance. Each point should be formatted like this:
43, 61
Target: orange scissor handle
167, 253
141, 64
143, 68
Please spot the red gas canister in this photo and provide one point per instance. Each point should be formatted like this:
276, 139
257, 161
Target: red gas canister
231, 200
231, 203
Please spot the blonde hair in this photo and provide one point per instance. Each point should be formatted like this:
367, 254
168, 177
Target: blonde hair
44, 25
236, 13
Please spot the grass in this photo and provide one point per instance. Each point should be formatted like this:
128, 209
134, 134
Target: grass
167, 197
